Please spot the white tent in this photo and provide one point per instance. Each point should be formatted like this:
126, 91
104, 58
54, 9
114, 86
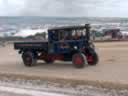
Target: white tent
124, 33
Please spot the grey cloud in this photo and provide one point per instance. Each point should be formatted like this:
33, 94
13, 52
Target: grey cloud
92, 8
53, 7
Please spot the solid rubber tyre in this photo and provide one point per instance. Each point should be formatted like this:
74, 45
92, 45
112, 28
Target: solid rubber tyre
95, 59
28, 58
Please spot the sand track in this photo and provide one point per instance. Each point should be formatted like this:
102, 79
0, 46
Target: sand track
113, 65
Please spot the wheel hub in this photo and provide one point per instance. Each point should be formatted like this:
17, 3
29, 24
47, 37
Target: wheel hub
78, 60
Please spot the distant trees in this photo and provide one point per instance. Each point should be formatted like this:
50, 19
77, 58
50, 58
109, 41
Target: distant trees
38, 36
43, 35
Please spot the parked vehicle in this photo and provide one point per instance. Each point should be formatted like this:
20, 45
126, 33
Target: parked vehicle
68, 43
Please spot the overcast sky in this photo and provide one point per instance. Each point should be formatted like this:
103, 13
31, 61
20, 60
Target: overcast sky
93, 8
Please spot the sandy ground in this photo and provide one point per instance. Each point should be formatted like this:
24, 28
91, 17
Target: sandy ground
113, 65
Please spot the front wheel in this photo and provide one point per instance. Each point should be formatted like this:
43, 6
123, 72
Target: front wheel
79, 60
28, 58
95, 59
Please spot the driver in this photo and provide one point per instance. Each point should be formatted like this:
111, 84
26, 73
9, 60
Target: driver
64, 43
77, 36
82, 36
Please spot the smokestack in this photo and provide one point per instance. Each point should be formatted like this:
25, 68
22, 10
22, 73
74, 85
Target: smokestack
88, 27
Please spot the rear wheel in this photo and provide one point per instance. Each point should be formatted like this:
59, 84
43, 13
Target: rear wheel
28, 58
95, 59
79, 60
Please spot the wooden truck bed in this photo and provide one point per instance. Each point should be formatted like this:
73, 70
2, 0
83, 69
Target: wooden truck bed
31, 45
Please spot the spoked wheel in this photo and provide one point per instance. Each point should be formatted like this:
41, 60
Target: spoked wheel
95, 59
79, 60
28, 58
